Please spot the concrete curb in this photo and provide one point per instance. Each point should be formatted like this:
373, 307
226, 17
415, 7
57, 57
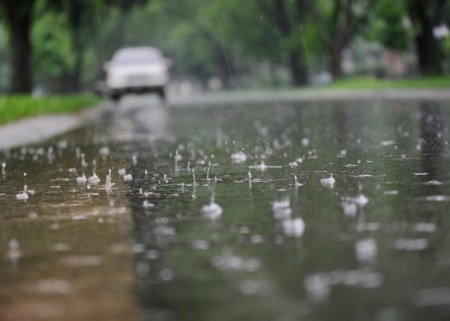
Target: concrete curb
33, 130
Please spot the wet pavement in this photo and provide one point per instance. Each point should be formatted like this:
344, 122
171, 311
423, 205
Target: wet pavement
331, 210
42, 127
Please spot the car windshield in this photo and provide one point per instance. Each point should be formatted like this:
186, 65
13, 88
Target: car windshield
137, 56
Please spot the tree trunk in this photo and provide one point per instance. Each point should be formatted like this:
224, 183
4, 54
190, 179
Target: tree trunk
298, 70
336, 63
296, 59
428, 50
225, 66
341, 33
77, 68
76, 11
18, 18
273, 75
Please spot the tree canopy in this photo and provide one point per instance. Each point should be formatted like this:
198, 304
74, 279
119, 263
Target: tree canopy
61, 45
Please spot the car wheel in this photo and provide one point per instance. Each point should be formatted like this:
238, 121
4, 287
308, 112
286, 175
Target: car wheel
162, 94
115, 97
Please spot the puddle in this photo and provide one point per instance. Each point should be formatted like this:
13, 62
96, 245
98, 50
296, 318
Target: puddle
312, 211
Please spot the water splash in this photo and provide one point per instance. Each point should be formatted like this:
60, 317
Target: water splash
207, 171
282, 209
285, 203
177, 158
14, 253
411, 244
108, 182
238, 157
328, 181
350, 205
25, 193
296, 182
261, 167
366, 250
94, 179
293, 227
104, 152
228, 261
50, 155
194, 182
349, 208
125, 176
318, 286
147, 204
212, 210
422, 227
81, 180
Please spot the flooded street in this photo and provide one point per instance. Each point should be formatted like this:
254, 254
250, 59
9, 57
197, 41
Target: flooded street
257, 211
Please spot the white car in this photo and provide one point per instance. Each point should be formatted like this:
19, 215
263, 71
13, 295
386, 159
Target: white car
137, 70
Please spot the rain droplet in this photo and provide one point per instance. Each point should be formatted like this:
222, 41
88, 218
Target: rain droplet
328, 181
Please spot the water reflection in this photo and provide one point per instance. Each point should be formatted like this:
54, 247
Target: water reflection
220, 236
371, 248
64, 252
433, 143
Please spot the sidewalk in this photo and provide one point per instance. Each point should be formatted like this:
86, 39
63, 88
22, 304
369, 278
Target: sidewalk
35, 129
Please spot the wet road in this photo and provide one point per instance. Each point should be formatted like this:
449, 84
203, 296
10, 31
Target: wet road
263, 211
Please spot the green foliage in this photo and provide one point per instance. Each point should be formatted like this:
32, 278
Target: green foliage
389, 25
53, 52
185, 31
16, 107
207, 38
247, 26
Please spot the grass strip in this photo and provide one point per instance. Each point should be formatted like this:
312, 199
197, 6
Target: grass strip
20, 106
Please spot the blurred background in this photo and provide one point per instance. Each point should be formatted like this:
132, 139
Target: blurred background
60, 46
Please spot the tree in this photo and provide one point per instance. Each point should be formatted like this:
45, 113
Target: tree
267, 30
342, 20
192, 33
18, 16
388, 25
80, 17
425, 15
287, 30
53, 56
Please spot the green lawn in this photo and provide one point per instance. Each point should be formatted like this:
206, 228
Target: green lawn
379, 84
16, 107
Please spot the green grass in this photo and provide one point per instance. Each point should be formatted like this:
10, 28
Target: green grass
21, 106
380, 84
